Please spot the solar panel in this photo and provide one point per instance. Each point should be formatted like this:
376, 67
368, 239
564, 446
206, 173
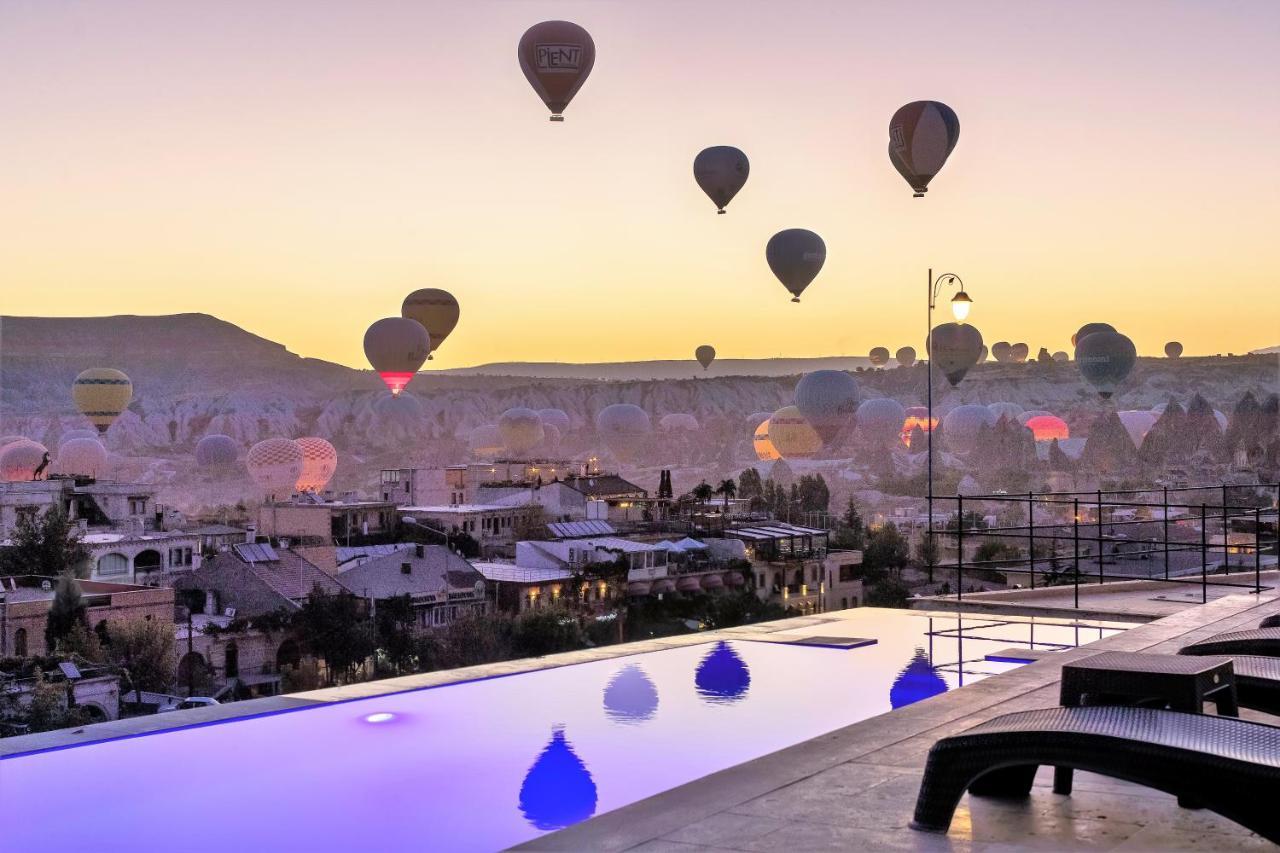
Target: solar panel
257, 552
572, 529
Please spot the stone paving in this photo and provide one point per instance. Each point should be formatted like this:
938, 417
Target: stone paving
855, 788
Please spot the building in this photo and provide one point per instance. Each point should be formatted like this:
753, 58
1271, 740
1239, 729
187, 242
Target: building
791, 566
25, 601
458, 484
215, 538
442, 586
513, 589
96, 689
314, 520
495, 527
253, 579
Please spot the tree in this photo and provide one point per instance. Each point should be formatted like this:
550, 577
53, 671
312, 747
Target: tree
143, 650
886, 550
729, 489
532, 525
927, 552
750, 486
395, 621
546, 631
702, 492
65, 613
464, 543
852, 533
812, 494
46, 544
335, 628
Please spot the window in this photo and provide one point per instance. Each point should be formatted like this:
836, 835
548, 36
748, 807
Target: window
113, 564
20, 643
137, 506
392, 477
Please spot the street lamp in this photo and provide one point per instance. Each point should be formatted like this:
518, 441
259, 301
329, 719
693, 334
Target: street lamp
960, 305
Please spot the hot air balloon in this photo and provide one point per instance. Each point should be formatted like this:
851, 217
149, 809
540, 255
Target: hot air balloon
7, 440
485, 441
556, 58
722, 677
101, 394
70, 435
792, 436
1048, 427
435, 309
216, 451
705, 354
558, 790
1137, 423
918, 680
1061, 357
879, 356
827, 400
1105, 359
402, 412
23, 460
1008, 411
962, 424
1173, 349
721, 171
760, 443
623, 427
955, 348
796, 257
556, 418
905, 356
916, 417
1089, 329
630, 696
922, 134
521, 430
678, 422
396, 347
551, 436
1001, 351
275, 465
880, 421
1018, 353
1033, 413
81, 457
982, 354
319, 461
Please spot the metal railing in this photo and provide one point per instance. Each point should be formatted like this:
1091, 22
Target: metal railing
1171, 536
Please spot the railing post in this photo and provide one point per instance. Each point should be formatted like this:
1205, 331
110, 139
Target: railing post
1226, 551
1031, 538
1075, 536
1204, 554
1257, 551
960, 548
1166, 532
1100, 575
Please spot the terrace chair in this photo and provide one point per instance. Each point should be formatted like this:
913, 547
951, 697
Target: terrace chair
1257, 682
1259, 641
1272, 621
1221, 763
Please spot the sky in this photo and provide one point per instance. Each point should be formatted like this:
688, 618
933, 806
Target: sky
297, 167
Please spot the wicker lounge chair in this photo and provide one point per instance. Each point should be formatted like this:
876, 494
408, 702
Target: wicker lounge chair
1220, 763
1258, 682
1260, 641
1272, 621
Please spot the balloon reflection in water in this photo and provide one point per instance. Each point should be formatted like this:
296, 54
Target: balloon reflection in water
722, 676
558, 790
918, 680
630, 696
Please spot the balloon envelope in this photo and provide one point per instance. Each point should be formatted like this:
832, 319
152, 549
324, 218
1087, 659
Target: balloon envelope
101, 394
678, 422
922, 135
760, 443
880, 421
916, 417
319, 461
879, 356
401, 411
1137, 423
721, 171
905, 356
216, 450
623, 426
955, 348
556, 418
1088, 329
556, 58
19, 461
1105, 359
1048, 427
70, 435
396, 347
1008, 411
1173, 349
1001, 350
485, 441
705, 354
796, 257
84, 457
521, 429
1061, 357
792, 435
962, 424
828, 400
1018, 353
435, 309
275, 465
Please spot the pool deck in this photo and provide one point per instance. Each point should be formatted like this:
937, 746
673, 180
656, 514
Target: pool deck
855, 788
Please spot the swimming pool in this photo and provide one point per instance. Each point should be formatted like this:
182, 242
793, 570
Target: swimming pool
487, 764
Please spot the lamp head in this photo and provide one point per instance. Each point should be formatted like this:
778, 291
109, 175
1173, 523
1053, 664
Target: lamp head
960, 304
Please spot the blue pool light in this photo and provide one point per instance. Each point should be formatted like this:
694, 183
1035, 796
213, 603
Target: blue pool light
722, 675
558, 790
630, 696
380, 717
918, 680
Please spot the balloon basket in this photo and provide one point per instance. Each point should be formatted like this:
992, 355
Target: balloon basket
556, 118
795, 299
917, 195
721, 211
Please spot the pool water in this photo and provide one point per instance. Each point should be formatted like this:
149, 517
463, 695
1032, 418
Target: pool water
487, 764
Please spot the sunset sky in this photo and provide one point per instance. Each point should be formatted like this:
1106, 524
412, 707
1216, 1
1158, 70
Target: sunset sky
297, 167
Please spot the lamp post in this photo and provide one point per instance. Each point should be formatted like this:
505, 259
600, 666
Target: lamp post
960, 304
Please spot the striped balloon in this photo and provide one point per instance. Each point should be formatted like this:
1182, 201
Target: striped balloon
922, 136
319, 461
101, 394
275, 465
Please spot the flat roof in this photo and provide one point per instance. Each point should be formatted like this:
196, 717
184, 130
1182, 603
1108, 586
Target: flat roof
509, 573
455, 509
